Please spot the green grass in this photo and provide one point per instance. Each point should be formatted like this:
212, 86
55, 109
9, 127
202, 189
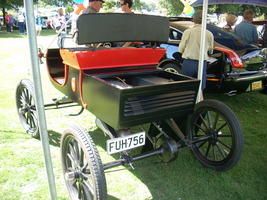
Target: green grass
22, 170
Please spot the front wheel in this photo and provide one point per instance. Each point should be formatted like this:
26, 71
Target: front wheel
216, 135
26, 108
82, 167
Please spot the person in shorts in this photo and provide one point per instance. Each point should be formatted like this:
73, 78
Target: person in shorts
38, 24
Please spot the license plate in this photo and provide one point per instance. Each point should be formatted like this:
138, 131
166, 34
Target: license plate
125, 143
256, 85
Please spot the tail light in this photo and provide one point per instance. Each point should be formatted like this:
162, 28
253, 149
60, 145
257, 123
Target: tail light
235, 60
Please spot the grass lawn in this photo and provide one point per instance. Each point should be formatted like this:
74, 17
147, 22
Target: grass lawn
22, 171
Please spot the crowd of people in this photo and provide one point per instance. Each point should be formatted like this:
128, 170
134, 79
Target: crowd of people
245, 29
9, 21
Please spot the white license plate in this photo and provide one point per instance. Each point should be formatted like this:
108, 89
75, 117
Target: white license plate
256, 85
125, 143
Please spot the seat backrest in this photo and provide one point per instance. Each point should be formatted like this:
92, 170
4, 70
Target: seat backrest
121, 27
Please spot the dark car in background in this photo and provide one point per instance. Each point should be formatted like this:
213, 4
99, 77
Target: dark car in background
234, 65
262, 31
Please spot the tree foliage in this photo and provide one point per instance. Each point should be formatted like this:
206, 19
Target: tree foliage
236, 9
175, 8
10, 4
58, 3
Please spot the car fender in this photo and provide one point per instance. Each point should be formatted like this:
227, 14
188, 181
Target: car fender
166, 61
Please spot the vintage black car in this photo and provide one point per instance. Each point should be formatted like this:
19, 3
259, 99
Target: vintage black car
233, 66
123, 89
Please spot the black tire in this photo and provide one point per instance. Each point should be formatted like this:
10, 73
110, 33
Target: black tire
25, 102
172, 67
216, 134
82, 167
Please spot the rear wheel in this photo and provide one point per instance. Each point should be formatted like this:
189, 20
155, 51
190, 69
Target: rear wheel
25, 102
217, 139
82, 166
172, 67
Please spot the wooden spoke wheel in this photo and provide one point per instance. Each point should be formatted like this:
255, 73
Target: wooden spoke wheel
25, 102
217, 139
82, 166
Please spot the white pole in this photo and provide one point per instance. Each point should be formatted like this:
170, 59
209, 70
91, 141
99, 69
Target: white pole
202, 46
30, 19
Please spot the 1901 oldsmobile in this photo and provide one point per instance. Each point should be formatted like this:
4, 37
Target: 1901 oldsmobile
123, 88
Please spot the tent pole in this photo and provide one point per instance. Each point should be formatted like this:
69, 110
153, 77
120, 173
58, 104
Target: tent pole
202, 46
30, 19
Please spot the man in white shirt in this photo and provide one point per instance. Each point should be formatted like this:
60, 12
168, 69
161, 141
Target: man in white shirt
21, 23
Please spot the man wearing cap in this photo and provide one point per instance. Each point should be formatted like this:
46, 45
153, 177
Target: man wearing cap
93, 7
190, 49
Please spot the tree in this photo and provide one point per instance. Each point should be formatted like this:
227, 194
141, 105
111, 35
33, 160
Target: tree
150, 6
11, 4
175, 8
236, 9
59, 3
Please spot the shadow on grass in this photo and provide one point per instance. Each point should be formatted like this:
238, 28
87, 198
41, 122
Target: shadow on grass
158, 177
185, 177
54, 138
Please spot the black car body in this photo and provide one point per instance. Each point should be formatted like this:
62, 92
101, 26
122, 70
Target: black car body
234, 65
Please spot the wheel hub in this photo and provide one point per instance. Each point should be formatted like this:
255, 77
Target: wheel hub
73, 175
24, 109
169, 149
213, 136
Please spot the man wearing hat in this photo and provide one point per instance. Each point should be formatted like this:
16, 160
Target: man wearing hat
190, 49
93, 7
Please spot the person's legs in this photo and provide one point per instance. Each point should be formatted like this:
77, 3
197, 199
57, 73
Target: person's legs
8, 27
38, 30
190, 68
21, 27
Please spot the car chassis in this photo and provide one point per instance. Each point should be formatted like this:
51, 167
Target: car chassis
123, 89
